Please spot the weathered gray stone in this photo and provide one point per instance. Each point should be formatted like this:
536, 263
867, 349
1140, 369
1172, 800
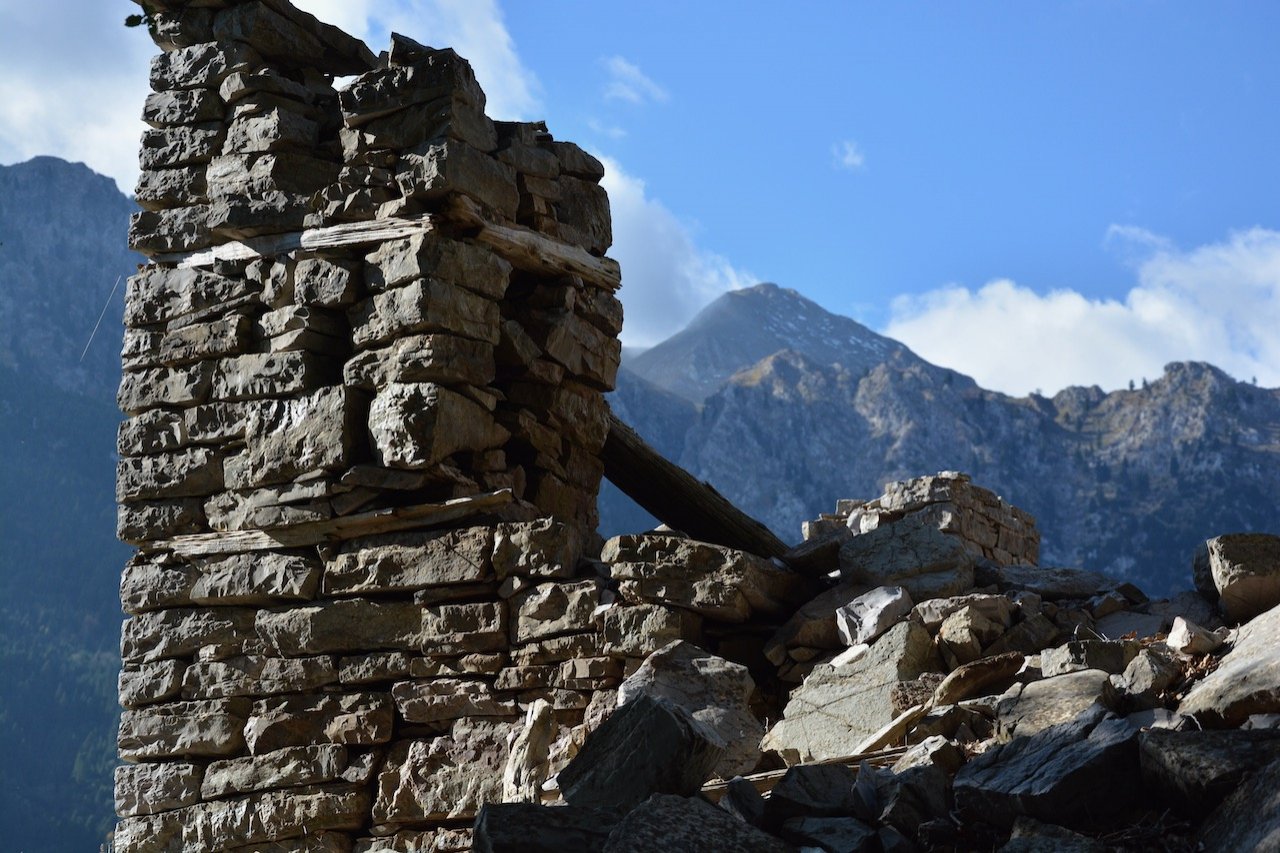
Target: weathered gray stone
554, 608
1246, 573
449, 699
433, 256
161, 386
667, 822
648, 746
911, 553
717, 692
177, 729
285, 768
1128, 623
250, 820
161, 295
326, 282
869, 615
1246, 682
1053, 584
353, 625
262, 577
1107, 655
193, 106
1249, 819
399, 562
199, 66
442, 166
447, 777
1081, 774
530, 828
268, 507
813, 790
354, 719
179, 632
180, 146
151, 520
836, 708
464, 628
544, 548
1196, 770
935, 750
965, 633
813, 625
185, 473
1188, 638
254, 675
1147, 677
257, 175
709, 579
275, 130
316, 432
997, 608
147, 683
148, 788
443, 358
387, 90
275, 374
225, 336
1030, 636
1026, 709
157, 189
643, 629
423, 305
179, 229
912, 797
417, 425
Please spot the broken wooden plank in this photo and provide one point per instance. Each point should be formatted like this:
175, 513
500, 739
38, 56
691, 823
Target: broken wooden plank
333, 530
764, 782
526, 249
312, 239
678, 499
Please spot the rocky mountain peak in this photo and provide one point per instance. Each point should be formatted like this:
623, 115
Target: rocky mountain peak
744, 326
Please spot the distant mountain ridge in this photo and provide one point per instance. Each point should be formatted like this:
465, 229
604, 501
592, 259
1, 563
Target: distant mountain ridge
1126, 482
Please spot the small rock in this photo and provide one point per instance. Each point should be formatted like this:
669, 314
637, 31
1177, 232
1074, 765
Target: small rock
1246, 573
1106, 655
1188, 638
871, 614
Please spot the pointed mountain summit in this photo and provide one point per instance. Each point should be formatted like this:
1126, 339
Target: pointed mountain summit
743, 327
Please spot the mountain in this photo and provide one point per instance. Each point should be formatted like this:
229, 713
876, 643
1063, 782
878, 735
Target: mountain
1126, 483
62, 250
744, 326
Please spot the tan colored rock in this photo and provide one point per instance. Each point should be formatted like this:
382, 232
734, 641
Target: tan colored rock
424, 305
142, 789
1246, 573
350, 625
449, 699
711, 580
527, 764
1247, 680
1025, 709
643, 629
147, 683
259, 578
284, 768
179, 632
180, 729
398, 562
254, 675
354, 719
458, 628
417, 425
554, 608
447, 777
544, 548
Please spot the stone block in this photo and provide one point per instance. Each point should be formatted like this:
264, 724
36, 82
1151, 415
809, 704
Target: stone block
417, 425
255, 675
554, 608
449, 699
184, 473
148, 788
284, 768
353, 719
181, 729
445, 778
200, 66
346, 626
179, 632
424, 305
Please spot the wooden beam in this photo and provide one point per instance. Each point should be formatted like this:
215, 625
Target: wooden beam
764, 782
679, 500
333, 530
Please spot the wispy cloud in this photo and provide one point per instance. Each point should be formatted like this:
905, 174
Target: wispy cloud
666, 276
609, 131
1218, 303
628, 83
848, 156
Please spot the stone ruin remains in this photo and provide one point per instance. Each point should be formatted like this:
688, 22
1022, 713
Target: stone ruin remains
365, 368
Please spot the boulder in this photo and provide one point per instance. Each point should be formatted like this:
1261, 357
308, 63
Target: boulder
1082, 774
1188, 638
998, 608
812, 790
530, 828
715, 691
1246, 573
443, 778
866, 617
648, 746
1106, 655
1249, 819
965, 633
1051, 584
1147, 677
911, 553
846, 834
1196, 770
1247, 680
1032, 836
813, 625
836, 708
679, 825
1026, 709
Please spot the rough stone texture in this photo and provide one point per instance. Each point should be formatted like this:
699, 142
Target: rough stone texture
450, 776
1198, 769
1081, 774
871, 614
913, 554
648, 746
529, 828
149, 788
715, 691
836, 708
1245, 568
1029, 708
1246, 682
666, 822
1249, 819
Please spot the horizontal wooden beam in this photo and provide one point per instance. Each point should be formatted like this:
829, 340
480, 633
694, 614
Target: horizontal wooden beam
333, 530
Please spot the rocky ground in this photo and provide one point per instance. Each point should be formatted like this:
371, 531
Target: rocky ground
968, 706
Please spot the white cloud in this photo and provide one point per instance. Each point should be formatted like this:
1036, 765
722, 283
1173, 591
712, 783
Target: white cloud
848, 155
610, 131
1218, 303
628, 83
666, 278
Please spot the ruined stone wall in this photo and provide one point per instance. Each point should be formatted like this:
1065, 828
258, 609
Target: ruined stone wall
364, 378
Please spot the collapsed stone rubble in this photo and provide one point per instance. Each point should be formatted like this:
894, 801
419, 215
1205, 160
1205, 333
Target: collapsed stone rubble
365, 368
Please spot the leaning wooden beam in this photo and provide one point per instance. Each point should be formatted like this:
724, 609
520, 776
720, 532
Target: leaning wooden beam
528, 250
764, 782
337, 529
673, 496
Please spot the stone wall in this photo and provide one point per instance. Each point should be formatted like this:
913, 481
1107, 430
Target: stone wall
364, 378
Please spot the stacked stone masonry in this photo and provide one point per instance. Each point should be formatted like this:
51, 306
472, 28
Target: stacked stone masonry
364, 379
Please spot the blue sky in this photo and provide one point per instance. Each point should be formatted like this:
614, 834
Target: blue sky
1035, 194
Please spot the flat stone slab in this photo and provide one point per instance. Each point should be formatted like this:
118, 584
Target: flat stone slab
1246, 682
